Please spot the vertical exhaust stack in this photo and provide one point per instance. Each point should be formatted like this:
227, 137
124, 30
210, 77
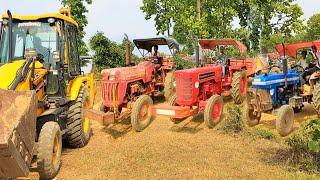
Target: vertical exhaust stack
197, 52
128, 51
10, 36
284, 60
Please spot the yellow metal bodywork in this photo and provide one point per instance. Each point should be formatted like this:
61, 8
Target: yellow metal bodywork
42, 16
74, 86
11, 69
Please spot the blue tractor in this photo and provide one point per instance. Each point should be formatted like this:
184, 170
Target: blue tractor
286, 90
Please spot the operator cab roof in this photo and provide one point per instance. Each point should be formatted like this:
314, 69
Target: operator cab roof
147, 44
59, 16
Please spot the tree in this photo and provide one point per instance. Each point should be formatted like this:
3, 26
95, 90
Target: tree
78, 10
314, 27
108, 54
256, 18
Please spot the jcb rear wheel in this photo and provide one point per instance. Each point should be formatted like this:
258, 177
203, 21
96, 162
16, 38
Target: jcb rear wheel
285, 118
141, 113
173, 102
169, 88
79, 127
49, 150
239, 87
213, 111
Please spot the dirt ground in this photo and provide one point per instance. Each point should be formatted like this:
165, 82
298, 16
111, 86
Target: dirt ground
186, 151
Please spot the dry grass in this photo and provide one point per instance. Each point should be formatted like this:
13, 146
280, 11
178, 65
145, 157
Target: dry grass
185, 151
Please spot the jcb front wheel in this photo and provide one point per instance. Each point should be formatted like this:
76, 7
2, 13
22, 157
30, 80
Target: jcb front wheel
141, 113
79, 127
49, 150
213, 111
239, 87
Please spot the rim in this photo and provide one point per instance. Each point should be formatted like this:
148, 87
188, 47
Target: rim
243, 85
144, 112
55, 149
86, 121
216, 111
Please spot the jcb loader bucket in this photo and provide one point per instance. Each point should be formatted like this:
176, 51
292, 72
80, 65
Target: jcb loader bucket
17, 132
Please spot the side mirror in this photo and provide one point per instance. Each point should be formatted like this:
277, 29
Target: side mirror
82, 58
55, 56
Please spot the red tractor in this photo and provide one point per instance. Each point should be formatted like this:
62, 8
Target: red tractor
200, 89
132, 87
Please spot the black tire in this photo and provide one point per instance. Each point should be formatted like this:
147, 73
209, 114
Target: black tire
169, 88
172, 102
316, 97
143, 103
49, 150
79, 127
239, 87
285, 119
213, 111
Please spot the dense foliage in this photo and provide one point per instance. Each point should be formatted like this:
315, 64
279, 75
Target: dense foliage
79, 10
108, 54
259, 19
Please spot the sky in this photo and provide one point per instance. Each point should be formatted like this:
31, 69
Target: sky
114, 17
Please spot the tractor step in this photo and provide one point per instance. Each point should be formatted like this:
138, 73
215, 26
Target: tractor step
173, 111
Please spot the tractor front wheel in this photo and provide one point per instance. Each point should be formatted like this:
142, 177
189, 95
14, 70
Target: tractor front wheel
49, 150
173, 102
213, 111
285, 119
79, 127
141, 113
316, 97
239, 87
169, 88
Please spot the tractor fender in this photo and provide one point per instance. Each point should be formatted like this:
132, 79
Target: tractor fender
74, 87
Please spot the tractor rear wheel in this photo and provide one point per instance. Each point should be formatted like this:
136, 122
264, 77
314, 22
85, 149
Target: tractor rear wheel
284, 122
173, 102
213, 111
316, 97
169, 88
239, 87
79, 127
49, 150
141, 113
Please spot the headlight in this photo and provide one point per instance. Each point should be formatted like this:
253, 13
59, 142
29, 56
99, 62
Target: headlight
174, 84
271, 92
196, 84
112, 78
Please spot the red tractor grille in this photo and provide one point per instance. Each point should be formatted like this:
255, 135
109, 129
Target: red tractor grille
107, 90
184, 88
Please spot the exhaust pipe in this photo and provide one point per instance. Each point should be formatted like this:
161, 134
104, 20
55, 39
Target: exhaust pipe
197, 52
284, 60
10, 36
128, 51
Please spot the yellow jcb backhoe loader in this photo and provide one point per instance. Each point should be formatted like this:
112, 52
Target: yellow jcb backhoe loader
43, 92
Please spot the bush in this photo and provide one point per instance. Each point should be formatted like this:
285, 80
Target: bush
233, 123
181, 63
305, 146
